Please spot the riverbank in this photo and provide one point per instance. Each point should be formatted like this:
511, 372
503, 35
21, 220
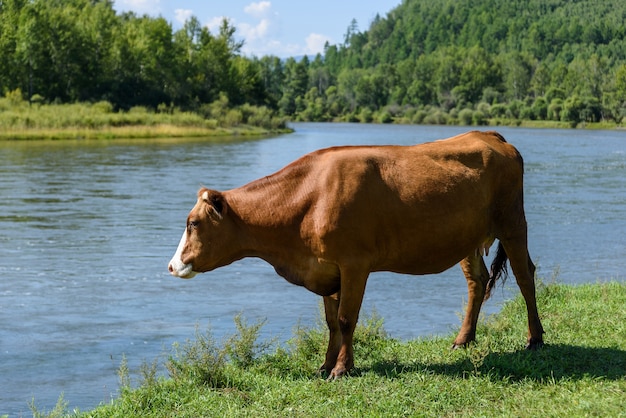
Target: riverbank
160, 130
580, 372
20, 120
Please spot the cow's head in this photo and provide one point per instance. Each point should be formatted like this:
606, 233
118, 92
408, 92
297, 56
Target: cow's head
198, 250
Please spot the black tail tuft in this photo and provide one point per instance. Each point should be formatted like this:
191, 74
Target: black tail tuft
498, 270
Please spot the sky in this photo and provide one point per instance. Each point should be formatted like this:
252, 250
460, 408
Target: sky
284, 28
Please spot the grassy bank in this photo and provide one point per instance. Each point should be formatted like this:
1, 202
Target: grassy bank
20, 120
580, 372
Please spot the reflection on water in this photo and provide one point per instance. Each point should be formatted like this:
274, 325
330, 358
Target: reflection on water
87, 229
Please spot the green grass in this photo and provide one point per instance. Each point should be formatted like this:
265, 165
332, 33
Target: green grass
580, 372
21, 120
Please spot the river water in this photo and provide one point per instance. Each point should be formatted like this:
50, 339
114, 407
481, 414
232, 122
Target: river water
87, 229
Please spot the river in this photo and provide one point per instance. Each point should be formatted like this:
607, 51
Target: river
87, 229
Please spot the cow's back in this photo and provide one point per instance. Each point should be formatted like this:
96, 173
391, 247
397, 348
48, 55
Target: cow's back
401, 207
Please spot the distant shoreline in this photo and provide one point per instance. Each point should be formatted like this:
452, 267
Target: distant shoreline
133, 132
165, 130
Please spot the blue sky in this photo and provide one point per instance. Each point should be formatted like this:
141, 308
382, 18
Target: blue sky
283, 28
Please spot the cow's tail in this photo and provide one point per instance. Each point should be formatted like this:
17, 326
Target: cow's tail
498, 270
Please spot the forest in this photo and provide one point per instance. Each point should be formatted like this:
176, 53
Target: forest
472, 62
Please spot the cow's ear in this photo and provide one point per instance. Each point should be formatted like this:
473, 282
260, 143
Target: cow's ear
215, 201
218, 204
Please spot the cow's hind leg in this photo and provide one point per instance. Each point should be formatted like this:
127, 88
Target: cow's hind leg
331, 311
477, 276
524, 271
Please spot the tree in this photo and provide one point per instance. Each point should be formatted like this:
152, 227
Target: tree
271, 72
516, 69
295, 85
144, 62
477, 73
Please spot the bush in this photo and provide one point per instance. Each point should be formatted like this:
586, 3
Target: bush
103, 107
554, 109
260, 116
242, 348
479, 118
572, 108
234, 117
437, 117
419, 116
385, 117
498, 110
526, 113
484, 108
513, 109
365, 116
465, 116
540, 108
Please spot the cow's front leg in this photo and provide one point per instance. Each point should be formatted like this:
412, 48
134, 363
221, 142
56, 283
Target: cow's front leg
331, 310
351, 296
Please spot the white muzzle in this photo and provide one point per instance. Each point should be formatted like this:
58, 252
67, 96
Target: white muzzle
177, 267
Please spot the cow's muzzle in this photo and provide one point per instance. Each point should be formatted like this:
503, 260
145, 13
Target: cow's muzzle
176, 266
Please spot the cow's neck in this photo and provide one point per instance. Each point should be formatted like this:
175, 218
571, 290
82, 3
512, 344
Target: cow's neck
268, 222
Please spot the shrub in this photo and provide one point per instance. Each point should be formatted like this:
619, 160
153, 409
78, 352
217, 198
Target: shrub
554, 109
385, 117
419, 116
484, 108
479, 118
260, 116
200, 361
366, 115
234, 117
242, 348
540, 108
465, 116
103, 107
138, 110
498, 110
436, 117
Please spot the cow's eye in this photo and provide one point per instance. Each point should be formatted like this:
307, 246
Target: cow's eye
193, 225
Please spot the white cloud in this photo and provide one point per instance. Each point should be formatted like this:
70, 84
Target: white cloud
252, 33
151, 7
183, 15
215, 23
315, 43
259, 33
258, 10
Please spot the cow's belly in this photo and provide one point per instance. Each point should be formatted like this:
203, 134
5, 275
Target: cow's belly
317, 276
430, 253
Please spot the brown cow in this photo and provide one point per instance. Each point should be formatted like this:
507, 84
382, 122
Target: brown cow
333, 216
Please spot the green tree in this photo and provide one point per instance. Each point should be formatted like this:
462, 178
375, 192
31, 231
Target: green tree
477, 73
516, 69
271, 72
295, 85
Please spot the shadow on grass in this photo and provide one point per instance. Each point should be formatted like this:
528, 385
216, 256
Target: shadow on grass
556, 361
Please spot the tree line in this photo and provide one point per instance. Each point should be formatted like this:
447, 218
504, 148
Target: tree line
82, 50
451, 61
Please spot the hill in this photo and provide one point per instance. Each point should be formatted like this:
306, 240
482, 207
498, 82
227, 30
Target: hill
541, 59
450, 61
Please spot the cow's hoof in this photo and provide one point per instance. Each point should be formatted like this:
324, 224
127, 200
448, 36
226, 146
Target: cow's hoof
534, 344
337, 373
456, 346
